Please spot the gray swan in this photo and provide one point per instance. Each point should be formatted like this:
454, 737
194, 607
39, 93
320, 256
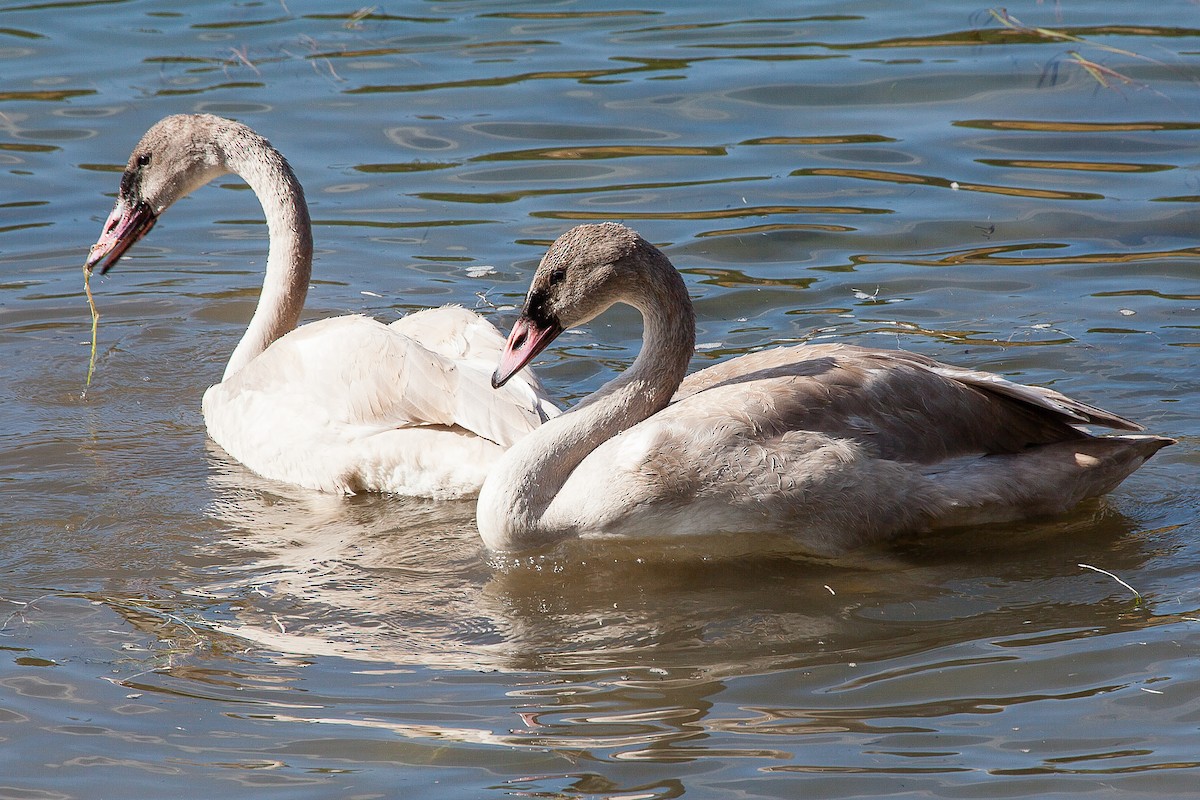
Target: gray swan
831, 445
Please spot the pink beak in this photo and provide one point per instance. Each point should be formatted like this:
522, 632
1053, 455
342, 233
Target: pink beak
127, 223
524, 344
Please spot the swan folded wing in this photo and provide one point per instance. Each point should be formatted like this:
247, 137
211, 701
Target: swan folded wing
903, 405
1040, 396
359, 376
714, 462
472, 341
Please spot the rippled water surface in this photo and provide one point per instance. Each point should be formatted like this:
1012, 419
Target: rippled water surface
1015, 191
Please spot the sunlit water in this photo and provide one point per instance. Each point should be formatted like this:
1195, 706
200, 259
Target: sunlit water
937, 179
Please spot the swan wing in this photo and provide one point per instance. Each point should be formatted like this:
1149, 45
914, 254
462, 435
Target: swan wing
904, 406
474, 346
358, 376
856, 443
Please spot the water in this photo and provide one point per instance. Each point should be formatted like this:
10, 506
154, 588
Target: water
932, 179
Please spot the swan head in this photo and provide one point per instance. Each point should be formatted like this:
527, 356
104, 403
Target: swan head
587, 269
178, 155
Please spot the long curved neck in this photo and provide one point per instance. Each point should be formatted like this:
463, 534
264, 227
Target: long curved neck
289, 229
516, 500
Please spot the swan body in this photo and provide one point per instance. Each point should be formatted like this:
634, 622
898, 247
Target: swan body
830, 445
346, 404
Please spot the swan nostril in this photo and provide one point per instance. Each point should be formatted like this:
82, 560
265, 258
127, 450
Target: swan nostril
519, 342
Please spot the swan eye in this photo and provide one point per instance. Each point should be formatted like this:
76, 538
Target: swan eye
143, 159
558, 275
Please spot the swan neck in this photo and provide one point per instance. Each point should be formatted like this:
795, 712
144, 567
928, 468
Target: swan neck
516, 504
289, 230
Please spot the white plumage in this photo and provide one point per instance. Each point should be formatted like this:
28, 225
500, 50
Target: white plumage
346, 404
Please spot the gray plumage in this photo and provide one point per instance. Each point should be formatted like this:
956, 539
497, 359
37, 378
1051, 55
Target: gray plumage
831, 444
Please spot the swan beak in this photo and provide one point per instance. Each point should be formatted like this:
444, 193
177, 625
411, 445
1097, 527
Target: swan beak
524, 343
127, 223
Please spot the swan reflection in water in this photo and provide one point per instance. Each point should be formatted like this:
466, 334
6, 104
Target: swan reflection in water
603, 646
408, 582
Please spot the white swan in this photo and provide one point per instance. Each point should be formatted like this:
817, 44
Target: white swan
346, 404
832, 445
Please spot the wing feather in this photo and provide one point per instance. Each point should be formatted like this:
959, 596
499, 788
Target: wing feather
357, 374
904, 405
